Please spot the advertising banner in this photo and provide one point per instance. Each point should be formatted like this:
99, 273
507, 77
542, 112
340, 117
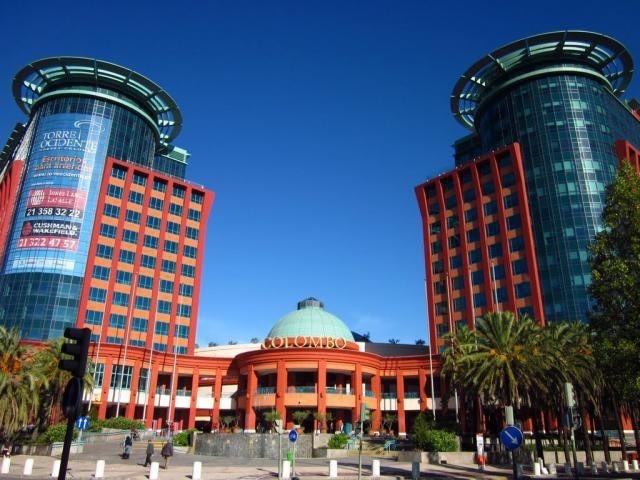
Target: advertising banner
60, 191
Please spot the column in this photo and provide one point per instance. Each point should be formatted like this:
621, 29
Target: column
422, 382
281, 388
217, 394
249, 412
321, 392
195, 380
106, 381
133, 390
356, 385
151, 395
376, 417
402, 429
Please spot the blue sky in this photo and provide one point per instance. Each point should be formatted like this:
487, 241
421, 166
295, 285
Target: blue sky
312, 121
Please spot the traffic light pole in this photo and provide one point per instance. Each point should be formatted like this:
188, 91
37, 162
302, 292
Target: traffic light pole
66, 449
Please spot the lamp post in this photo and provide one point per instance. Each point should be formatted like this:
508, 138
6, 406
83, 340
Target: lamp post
433, 396
452, 331
149, 373
170, 418
127, 332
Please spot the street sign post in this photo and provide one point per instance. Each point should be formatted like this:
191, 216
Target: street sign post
511, 437
293, 436
82, 423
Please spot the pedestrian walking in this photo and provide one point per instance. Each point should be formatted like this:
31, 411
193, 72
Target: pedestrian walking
167, 452
127, 446
150, 452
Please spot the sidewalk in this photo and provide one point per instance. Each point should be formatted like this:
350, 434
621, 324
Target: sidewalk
83, 466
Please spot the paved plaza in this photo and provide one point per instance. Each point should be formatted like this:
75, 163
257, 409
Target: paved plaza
83, 466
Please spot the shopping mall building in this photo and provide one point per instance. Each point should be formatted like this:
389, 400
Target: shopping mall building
99, 228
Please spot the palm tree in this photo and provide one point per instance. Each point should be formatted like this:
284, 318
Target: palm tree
19, 384
46, 362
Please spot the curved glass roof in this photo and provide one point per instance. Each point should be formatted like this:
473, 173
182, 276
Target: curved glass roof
310, 320
601, 53
49, 74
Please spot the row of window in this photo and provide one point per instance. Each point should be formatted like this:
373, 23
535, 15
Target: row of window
519, 267
133, 216
475, 256
97, 294
110, 231
159, 185
149, 261
522, 290
489, 208
116, 320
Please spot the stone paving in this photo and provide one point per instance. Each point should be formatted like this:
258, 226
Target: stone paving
83, 466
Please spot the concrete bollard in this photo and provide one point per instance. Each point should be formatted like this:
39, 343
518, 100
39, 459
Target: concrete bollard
580, 468
154, 470
99, 469
6, 464
553, 470
28, 467
604, 466
594, 469
333, 469
375, 468
55, 471
537, 471
634, 465
286, 469
625, 465
196, 473
415, 470
616, 469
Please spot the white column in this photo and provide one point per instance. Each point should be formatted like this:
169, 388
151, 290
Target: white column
375, 468
197, 471
286, 469
28, 467
536, 469
153, 471
55, 471
100, 469
634, 465
6, 464
333, 468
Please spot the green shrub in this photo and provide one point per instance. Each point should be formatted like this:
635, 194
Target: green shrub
95, 425
121, 423
430, 439
339, 440
182, 439
55, 433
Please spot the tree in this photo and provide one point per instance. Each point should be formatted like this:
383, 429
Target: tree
615, 287
271, 416
212, 344
19, 384
394, 340
254, 340
420, 341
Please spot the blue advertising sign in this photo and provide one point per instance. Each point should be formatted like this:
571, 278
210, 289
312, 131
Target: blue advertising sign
60, 191
293, 436
511, 437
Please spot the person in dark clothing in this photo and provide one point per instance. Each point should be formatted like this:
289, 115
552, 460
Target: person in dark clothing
127, 447
167, 452
150, 452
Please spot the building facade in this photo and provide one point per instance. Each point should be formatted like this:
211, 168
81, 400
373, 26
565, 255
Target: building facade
508, 228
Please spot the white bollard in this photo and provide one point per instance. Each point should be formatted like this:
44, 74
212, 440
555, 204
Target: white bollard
28, 467
197, 471
616, 469
537, 471
553, 470
6, 464
100, 469
154, 471
594, 469
580, 468
375, 468
286, 469
55, 471
605, 466
333, 469
634, 465
567, 468
625, 465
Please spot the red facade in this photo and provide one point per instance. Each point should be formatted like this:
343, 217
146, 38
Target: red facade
478, 243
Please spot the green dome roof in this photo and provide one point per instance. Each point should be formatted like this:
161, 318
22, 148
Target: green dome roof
310, 320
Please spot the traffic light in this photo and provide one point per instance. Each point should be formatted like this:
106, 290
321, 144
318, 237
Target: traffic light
79, 350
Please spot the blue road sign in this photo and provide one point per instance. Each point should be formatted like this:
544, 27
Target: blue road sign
82, 423
293, 435
511, 437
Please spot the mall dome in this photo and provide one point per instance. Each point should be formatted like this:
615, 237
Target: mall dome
310, 320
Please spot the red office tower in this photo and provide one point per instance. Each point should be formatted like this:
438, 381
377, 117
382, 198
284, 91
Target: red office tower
478, 244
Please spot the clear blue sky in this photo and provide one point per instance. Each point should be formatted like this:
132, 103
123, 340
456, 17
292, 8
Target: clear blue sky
312, 121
